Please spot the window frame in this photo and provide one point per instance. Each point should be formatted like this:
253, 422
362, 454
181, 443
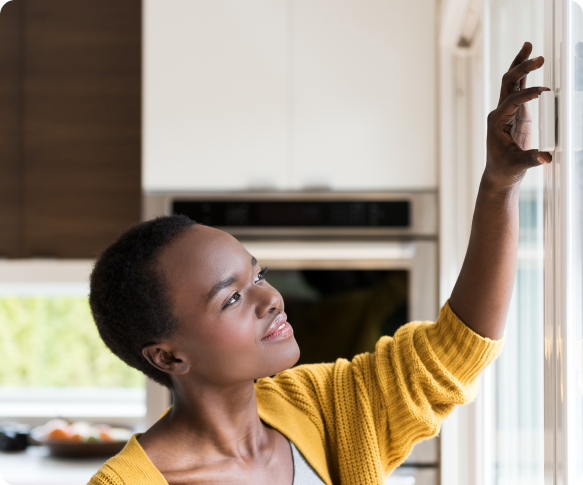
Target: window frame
562, 438
467, 440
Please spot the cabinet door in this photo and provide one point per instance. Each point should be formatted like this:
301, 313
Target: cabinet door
215, 94
364, 77
10, 176
81, 124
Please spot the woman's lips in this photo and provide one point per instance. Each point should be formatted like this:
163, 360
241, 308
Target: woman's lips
280, 332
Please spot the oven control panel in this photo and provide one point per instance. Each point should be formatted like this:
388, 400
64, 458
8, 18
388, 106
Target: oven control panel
301, 213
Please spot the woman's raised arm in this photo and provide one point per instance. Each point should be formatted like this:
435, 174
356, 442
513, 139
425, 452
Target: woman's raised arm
481, 295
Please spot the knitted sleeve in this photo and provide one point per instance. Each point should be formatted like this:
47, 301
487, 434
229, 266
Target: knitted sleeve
102, 478
373, 409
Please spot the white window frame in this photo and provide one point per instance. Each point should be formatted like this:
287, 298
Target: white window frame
467, 437
560, 300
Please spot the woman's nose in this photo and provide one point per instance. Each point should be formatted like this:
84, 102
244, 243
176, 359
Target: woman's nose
269, 301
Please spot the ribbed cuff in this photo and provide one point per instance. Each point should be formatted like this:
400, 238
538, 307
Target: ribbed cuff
463, 352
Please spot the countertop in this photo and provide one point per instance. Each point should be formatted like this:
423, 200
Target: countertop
36, 467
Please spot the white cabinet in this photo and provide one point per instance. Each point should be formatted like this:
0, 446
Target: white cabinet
214, 94
289, 94
364, 111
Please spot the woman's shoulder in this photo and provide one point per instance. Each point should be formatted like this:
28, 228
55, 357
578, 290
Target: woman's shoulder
131, 466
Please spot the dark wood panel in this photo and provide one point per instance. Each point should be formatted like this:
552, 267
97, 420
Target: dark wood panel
9, 131
82, 136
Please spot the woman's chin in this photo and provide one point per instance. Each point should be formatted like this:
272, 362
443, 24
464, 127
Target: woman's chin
283, 359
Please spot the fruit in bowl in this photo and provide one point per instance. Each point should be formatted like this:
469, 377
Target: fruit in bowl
80, 438
59, 430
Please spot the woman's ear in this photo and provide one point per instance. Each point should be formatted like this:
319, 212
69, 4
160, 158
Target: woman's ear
164, 359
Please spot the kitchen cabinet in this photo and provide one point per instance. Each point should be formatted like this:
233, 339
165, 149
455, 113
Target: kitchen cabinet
290, 94
364, 94
9, 142
70, 131
215, 94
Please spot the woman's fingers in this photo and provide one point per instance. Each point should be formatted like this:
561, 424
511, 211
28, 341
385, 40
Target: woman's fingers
534, 158
525, 159
522, 55
506, 110
545, 157
518, 75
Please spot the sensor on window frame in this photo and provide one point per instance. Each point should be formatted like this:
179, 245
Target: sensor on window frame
546, 122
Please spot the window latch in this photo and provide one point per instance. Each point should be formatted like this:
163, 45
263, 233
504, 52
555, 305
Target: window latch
547, 122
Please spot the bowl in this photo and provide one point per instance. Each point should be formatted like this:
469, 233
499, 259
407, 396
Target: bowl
74, 449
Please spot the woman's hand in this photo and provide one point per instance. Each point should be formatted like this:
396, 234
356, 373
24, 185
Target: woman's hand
509, 142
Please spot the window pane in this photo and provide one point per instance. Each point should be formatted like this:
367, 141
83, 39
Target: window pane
519, 370
53, 342
519, 456
575, 279
53, 362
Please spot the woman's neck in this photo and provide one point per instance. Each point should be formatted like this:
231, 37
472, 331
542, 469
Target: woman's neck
209, 422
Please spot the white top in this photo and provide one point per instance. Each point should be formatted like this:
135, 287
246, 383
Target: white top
304, 474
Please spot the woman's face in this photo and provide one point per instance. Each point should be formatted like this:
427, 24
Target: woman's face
232, 325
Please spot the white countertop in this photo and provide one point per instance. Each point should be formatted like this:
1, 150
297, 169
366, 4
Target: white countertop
36, 467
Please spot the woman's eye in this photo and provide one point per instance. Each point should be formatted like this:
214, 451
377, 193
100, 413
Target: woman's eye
233, 299
261, 275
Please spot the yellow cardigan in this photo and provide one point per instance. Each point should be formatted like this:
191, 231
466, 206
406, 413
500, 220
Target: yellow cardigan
356, 421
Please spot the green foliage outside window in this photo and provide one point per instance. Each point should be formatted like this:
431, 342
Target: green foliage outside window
53, 342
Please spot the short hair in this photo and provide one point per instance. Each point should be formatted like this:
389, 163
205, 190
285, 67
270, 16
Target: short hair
129, 295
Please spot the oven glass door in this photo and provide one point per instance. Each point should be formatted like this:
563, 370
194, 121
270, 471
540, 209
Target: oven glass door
341, 312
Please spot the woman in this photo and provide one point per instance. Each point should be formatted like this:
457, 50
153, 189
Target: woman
191, 308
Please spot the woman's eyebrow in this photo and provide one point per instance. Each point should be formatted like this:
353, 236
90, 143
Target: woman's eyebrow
221, 285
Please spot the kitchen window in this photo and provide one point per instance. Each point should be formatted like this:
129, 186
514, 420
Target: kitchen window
526, 426
54, 363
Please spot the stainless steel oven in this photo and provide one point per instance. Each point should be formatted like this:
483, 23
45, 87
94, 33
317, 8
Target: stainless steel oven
368, 261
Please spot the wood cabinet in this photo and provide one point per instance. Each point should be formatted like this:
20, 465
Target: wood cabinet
10, 168
70, 125
290, 94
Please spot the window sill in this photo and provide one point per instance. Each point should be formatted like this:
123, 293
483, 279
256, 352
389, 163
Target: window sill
35, 406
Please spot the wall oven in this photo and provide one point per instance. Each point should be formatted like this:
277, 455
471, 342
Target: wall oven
367, 261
